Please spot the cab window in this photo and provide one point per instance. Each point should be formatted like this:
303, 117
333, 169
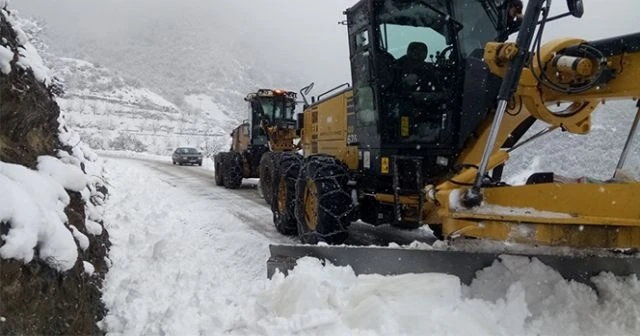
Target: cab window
415, 67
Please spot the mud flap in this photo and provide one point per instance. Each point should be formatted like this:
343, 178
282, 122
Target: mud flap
464, 265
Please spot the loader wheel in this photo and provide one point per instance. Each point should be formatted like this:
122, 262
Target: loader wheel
217, 168
284, 190
267, 172
232, 170
323, 206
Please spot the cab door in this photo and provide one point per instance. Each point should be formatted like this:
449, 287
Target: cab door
363, 125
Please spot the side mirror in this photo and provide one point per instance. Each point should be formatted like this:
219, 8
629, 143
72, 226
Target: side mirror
576, 7
305, 91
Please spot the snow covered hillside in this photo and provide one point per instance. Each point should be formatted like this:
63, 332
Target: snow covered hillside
171, 76
112, 112
163, 101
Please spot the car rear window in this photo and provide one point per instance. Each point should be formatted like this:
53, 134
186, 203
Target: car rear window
187, 150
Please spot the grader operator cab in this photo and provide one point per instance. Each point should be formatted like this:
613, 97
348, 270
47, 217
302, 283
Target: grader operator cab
439, 100
271, 126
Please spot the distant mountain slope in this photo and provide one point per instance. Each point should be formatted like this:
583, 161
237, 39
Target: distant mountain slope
173, 48
104, 107
87, 80
161, 77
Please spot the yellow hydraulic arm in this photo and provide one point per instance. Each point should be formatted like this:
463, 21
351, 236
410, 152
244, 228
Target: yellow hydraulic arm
581, 75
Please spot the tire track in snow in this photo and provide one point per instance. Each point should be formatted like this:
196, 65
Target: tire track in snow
201, 182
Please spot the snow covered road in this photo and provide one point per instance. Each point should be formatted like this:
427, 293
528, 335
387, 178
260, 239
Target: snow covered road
245, 203
188, 258
183, 249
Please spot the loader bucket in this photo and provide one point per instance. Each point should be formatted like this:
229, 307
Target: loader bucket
393, 261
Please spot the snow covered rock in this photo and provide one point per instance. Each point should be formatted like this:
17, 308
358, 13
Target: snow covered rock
51, 264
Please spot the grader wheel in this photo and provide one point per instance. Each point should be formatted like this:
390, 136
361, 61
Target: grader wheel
267, 173
217, 166
323, 206
232, 170
284, 189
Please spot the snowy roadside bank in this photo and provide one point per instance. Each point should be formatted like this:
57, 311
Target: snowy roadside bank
184, 264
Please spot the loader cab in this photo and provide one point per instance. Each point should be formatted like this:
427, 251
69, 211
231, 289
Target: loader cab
270, 108
410, 61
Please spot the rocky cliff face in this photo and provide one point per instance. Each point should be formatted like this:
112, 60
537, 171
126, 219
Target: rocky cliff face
28, 114
36, 299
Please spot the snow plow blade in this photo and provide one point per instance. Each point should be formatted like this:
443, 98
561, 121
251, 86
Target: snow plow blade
463, 264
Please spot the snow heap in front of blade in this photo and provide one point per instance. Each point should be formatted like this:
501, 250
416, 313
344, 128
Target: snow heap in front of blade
333, 300
514, 296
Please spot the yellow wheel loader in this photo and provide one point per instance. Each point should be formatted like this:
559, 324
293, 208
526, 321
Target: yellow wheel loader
270, 128
438, 103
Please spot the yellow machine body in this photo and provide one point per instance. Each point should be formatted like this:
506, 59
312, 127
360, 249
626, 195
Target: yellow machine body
240, 138
325, 129
281, 139
452, 179
581, 215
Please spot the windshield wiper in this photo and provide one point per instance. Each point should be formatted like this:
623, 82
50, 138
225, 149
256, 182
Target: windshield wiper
492, 11
446, 16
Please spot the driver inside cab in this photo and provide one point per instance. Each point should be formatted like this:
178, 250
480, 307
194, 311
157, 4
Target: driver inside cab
413, 74
418, 100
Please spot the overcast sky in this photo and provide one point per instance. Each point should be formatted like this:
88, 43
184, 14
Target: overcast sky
300, 35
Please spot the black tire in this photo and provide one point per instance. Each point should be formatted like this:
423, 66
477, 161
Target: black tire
232, 170
284, 193
323, 207
267, 174
217, 168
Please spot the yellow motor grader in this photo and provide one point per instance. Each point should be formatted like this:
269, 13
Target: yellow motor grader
270, 128
439, 101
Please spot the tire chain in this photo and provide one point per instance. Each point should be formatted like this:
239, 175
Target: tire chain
340, 180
